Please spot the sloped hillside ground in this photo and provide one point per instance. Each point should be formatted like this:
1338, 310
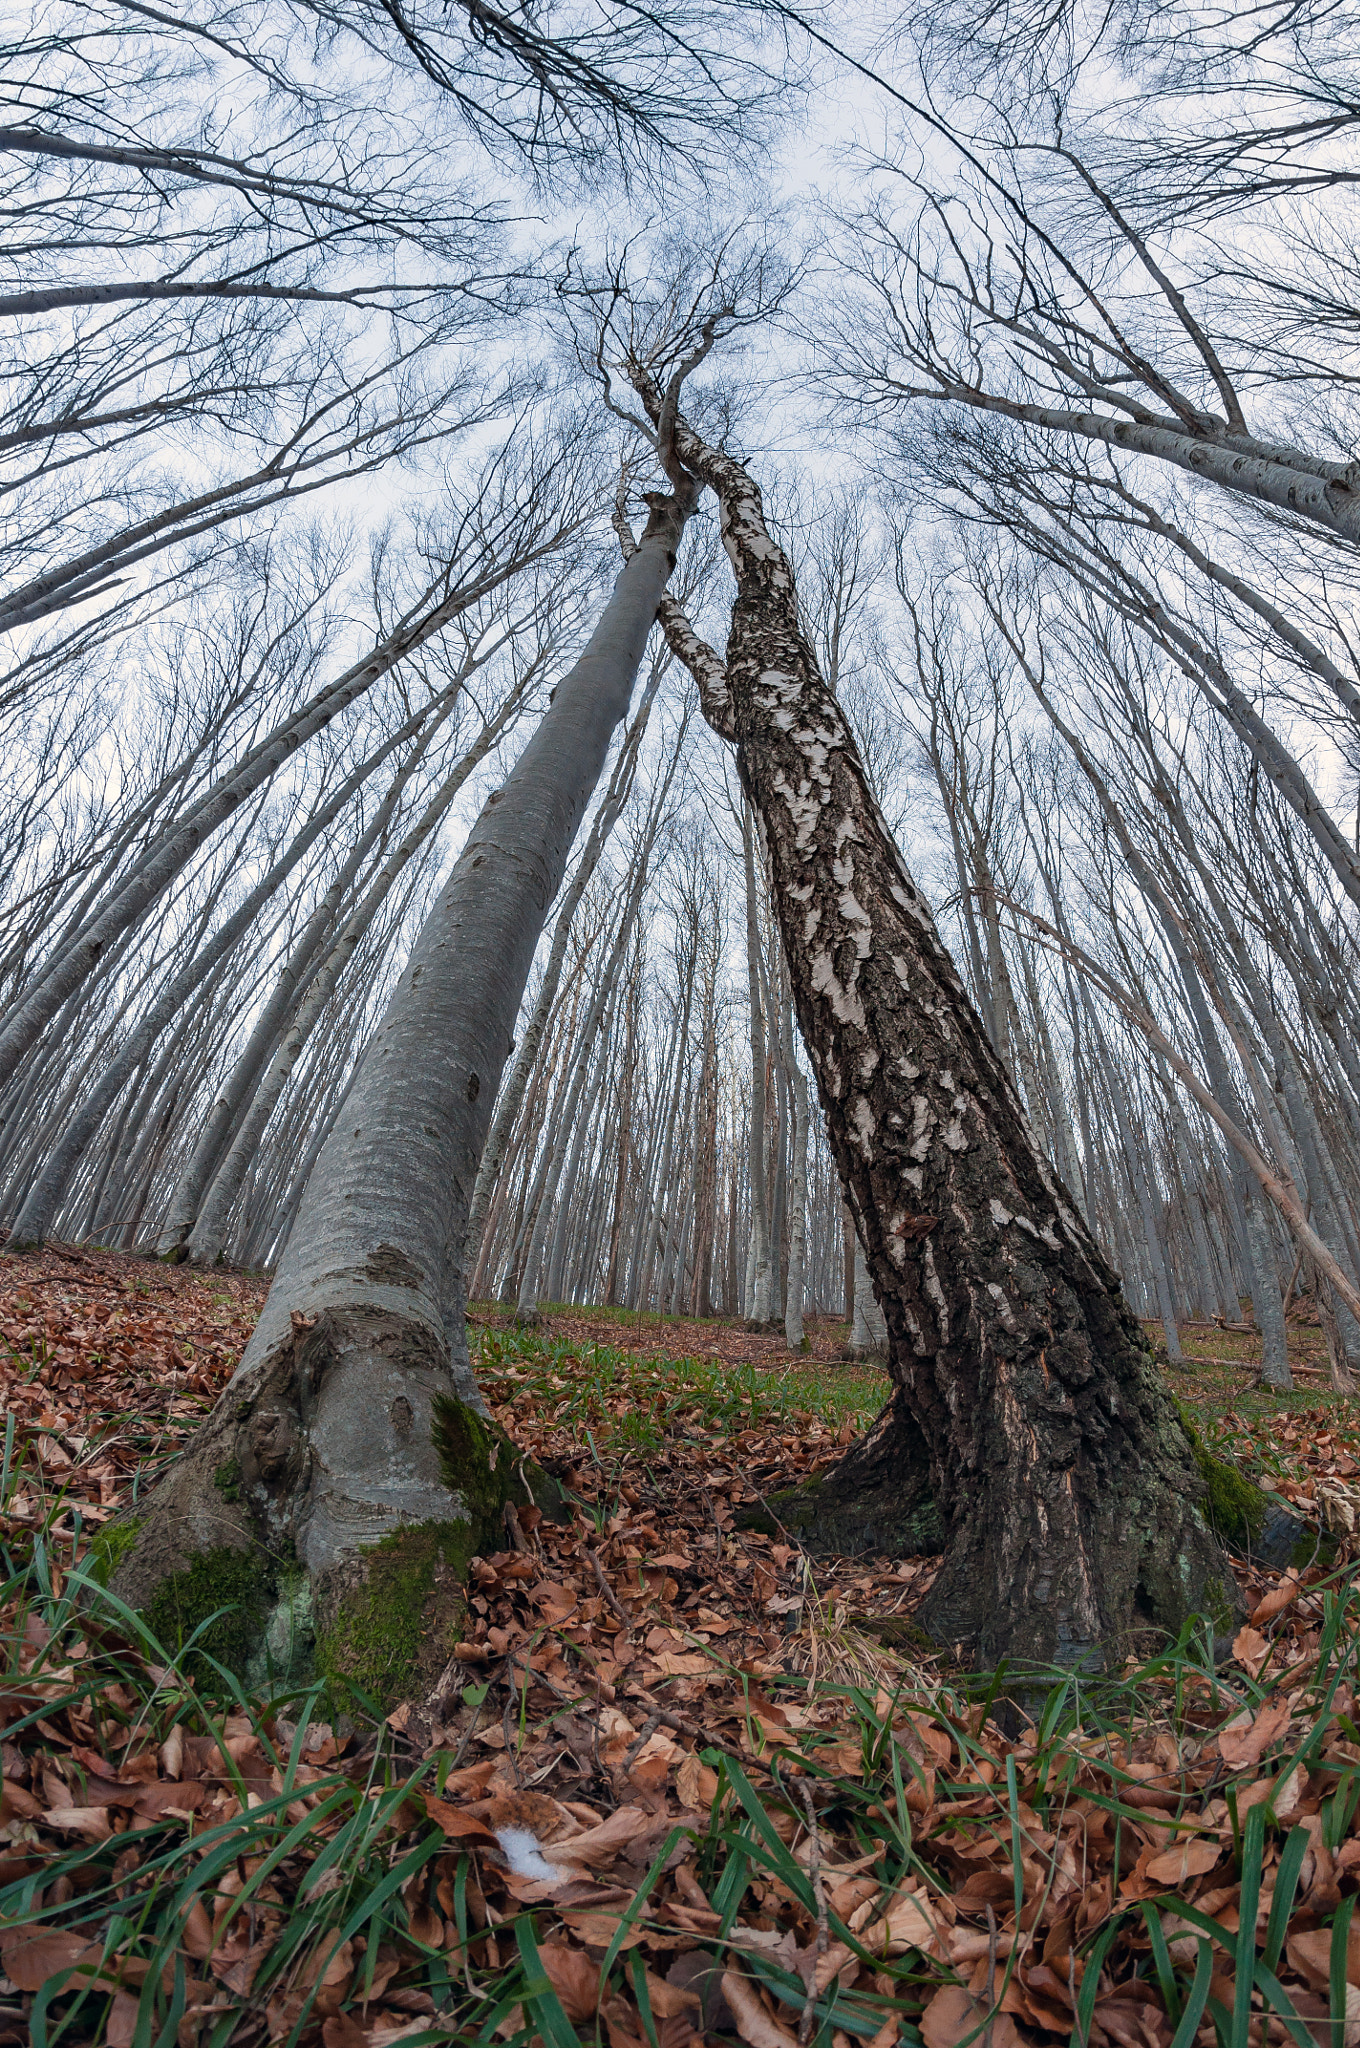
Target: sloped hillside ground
677, 1783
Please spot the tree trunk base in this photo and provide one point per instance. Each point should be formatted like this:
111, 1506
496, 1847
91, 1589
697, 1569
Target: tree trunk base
1156, 1569
877, 1502
319, 1528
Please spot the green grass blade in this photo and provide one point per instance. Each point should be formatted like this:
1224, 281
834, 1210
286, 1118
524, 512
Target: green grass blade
538, 1996
1196, 1998
1253, 1855
1296, 1847
1336, 1972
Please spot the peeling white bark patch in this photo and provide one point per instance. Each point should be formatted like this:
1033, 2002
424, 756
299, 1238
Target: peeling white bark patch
934, 1289
865, 1123
897, 1244
947, 1080
868, 1060
913, 906
845, 1002
853, 911
816, 743
1050, 1236
907, 1069
953, 1137
804, 809
1001, 1215
913, 1177
1003, 1305
776, 687
923, 1120
914, 1330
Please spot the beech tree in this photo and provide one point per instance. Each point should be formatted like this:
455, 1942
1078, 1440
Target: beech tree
349, 1449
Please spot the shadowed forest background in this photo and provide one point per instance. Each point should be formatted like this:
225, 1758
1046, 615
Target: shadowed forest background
679, 1083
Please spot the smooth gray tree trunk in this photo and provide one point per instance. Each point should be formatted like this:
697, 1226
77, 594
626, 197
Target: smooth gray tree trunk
328, 1427
760, 1282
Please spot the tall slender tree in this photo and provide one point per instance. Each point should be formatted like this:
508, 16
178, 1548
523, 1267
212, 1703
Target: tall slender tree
352, 1417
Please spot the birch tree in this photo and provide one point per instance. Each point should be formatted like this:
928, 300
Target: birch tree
1068, 1513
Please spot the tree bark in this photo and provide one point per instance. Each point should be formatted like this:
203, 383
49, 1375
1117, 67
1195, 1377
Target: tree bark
1027, 1404
347, 1455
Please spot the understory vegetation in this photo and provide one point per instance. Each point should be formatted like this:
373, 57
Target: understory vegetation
675, 1780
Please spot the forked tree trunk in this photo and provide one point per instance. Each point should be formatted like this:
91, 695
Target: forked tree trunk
346, 1476
1028, 1412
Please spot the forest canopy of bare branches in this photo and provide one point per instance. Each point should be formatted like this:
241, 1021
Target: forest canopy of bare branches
416, 886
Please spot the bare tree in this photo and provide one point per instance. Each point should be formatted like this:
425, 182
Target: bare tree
1065, 1516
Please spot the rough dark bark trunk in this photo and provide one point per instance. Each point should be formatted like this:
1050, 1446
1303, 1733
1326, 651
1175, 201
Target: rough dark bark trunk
1068, 1488
345, 1476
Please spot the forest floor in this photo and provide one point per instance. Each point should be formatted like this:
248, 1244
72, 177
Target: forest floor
679, 1783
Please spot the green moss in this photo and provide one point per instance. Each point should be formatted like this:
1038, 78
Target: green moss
1218, 1605
479, 1462
772, 1519
862, 1523
894, 1631
476, 1458
227, 1479
1234, 1509
110, 1547
391, 1630
236, 1586
285, 1653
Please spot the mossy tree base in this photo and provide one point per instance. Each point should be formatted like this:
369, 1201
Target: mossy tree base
1246, 1520
324, 1517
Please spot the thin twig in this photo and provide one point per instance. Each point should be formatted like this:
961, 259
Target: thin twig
649, 1728
606, 1588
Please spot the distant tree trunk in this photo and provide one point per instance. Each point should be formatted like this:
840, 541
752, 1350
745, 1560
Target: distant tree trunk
761, 1278
869, 1330
848, 1242
1028, 1414
798, 1177
352, 1415
209, 1231
1253, 1226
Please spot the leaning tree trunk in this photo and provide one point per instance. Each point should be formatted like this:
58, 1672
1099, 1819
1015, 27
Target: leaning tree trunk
1028, 1415
346, 1475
